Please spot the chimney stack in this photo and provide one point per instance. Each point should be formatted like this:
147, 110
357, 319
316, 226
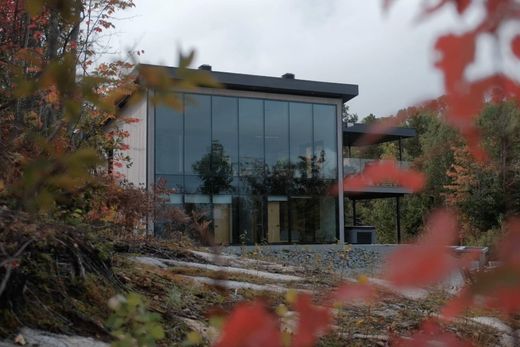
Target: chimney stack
205, 67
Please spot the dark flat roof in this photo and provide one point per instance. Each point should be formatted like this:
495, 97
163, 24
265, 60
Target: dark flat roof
354, 133
375, 192
278, 85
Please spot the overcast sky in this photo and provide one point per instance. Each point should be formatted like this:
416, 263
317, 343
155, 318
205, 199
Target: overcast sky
348, 41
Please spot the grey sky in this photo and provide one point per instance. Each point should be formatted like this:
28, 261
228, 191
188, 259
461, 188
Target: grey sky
348, 41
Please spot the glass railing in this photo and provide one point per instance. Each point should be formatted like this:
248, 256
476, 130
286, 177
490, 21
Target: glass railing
352, 166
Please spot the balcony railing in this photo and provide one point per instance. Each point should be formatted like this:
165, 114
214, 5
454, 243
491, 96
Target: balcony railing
352, 166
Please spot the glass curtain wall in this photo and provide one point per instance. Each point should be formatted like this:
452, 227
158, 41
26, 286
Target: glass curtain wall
260, 170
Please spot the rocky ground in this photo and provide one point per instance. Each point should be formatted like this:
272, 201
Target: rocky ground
186, 286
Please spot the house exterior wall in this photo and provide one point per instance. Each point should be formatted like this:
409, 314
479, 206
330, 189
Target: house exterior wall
235, 157
136, 141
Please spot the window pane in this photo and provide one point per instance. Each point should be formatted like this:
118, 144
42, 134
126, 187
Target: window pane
194, 184
327, 219
276, 146
325, 144
170, 182
313, 219
303, 219
276, 136
251, 136
301, 138
168, 141
248, 219
197, 131
225, 135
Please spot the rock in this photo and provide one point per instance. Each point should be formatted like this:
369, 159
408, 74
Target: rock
409, 293
208, 333
210, 267
239, 285
46, 339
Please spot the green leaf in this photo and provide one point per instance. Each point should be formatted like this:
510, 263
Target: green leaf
156, 331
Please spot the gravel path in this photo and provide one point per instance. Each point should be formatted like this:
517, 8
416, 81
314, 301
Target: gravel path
345, 261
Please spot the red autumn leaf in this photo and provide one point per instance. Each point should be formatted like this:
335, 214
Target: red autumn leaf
498, 288
379, 128
461, 5
250, 325
458, 304
431, 334
354, 293
506, 299
456, 53
509, 246
385, 171
429, 260
515, 46
313, 322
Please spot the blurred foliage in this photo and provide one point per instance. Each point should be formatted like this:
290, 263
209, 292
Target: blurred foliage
132, 324
60, 118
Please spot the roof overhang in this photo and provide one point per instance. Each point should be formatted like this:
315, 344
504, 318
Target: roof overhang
355, 134
375, 192
276, 85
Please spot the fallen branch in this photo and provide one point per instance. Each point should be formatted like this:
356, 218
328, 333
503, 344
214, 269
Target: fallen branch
10, 263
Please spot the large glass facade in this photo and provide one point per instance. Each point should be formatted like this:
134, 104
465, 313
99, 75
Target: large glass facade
260, 170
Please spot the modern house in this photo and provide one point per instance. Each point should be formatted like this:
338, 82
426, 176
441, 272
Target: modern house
262, 158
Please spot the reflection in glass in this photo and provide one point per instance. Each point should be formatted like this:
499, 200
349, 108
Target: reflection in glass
193, 184
303, 219
327, 219
168, 140
276, 135
172, 182
248, 226
197, 122
300, 138
225, 131
313, 219
215, 171
251, 136
325, 145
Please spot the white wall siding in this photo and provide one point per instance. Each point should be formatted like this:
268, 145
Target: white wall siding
136, 141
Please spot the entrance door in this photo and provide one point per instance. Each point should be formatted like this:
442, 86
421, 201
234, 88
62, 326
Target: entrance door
277, 219
273, 221
222, 223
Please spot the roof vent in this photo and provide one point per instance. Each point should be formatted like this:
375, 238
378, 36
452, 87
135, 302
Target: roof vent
205, 67
289, 76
